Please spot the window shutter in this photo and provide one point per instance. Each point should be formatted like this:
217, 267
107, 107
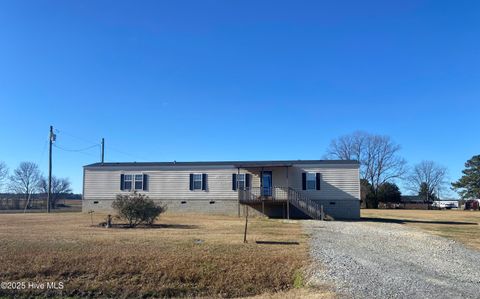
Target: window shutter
122, 181
204, 181
318, 176
145, 182
304, 181
247, 180
234, 181
191, 181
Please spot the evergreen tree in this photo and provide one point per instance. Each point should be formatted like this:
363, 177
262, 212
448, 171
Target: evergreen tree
468, 186
389, 192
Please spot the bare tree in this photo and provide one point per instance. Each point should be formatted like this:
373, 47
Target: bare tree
426, 175
25, 179
348, 147
3, 174
378, 157
60, 186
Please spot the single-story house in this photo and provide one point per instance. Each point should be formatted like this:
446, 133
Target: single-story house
290, 189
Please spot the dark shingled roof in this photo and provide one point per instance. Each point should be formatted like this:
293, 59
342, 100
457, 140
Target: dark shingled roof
219, 163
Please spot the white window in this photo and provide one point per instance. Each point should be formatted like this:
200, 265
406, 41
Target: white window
241, 181
132, 182
197, 181
127, 183
139, 182
311, 181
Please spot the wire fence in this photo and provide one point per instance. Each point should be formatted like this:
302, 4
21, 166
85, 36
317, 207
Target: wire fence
15, 203
37, 204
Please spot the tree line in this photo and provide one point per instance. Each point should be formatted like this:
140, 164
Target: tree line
381, 165
27, 180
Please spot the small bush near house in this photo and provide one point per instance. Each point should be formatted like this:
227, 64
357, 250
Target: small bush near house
137, 209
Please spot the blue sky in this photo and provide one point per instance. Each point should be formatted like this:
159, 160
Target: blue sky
236, 80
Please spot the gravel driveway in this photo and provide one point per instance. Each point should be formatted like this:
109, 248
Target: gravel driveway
386, 260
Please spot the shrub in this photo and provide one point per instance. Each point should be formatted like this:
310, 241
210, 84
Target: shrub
137, 209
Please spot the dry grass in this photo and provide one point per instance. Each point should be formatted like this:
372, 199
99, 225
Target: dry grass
458, 225
156, 262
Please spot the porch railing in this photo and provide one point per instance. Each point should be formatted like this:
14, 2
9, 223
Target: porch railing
305, 204
282, 194
263, 193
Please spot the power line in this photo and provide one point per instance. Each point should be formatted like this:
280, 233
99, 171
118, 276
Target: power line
135, 157
76, 137
76, 150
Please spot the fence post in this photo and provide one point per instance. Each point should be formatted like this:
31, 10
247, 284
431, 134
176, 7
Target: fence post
246, 225
322, 215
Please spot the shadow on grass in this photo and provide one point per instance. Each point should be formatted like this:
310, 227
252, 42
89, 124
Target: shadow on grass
153, 226
277, 242
176, 226
403, 221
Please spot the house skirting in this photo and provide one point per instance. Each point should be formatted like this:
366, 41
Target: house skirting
338, 209
342, 209
214, 207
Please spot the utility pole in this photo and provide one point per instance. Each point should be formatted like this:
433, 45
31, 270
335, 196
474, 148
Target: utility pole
49, 197
103, 149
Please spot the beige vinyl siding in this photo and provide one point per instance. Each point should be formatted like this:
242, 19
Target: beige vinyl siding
176, 184
103, 184
338, 182
279, 176
162, 184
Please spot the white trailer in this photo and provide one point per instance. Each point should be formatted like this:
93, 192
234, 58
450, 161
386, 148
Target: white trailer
445, 204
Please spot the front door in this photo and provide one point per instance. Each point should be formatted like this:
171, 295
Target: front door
266, 183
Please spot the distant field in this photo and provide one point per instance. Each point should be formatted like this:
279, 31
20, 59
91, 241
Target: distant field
186, 256
459, 225
71, 202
